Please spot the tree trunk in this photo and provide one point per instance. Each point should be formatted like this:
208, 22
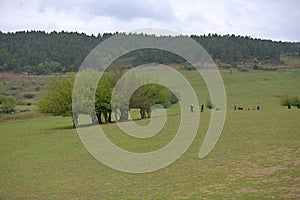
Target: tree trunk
75, 120
105, 117
98, 114
116, 116
124, 114
109, 116
148, 112
94, 118
143, 113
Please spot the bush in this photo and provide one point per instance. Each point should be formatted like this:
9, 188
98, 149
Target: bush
256, 67
37, 88
295, 101
173, 99
285, 101
209, 105
7, 103
28, 95
290, 101
189, 68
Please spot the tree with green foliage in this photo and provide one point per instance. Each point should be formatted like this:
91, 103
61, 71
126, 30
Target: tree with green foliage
103, 98
58, 99
285, 101
143, 98
290, 101
120, 106
7, 103
149, 95
84, 93
47, 67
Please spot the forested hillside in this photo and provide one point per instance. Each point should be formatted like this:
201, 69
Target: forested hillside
38, 52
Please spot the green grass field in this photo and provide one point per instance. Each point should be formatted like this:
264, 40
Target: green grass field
256, 157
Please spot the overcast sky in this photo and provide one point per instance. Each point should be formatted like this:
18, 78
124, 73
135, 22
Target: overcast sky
267, 19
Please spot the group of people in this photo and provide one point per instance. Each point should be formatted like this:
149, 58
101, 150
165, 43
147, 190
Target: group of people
192, 108
253, 107
257, 107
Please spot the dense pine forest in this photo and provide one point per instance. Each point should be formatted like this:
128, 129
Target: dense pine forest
38, 52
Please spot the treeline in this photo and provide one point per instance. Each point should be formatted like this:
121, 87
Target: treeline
38, 52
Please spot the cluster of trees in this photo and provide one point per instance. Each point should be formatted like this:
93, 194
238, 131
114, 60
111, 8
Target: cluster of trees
290, 101
58, 99
7, 103
38, 52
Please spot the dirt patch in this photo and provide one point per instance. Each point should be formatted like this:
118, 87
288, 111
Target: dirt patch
274, 166
161, 67
293, 192
246, 190
287, 66
263, 171
20, 75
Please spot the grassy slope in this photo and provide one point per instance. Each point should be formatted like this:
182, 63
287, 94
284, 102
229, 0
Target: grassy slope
257, 155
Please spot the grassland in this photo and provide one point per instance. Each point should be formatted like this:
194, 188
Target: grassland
293, 60
257, 156
25, 89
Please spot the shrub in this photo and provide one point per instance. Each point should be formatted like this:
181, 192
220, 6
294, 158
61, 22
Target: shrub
295, 101
7, 103
28, 95
37, 88
290, 101
173, 99
209, 105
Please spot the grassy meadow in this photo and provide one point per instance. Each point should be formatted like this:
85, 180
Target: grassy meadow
256, 157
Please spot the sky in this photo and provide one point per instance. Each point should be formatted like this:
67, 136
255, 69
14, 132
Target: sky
267, 19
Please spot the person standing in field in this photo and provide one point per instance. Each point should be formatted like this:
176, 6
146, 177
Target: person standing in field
257, 106
192, 108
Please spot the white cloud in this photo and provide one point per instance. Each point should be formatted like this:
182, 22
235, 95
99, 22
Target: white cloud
258, 18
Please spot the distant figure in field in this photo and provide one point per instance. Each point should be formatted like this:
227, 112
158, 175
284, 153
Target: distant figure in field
202, 108
253, 108
257, 106
192, 108
234, 108
240, 108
